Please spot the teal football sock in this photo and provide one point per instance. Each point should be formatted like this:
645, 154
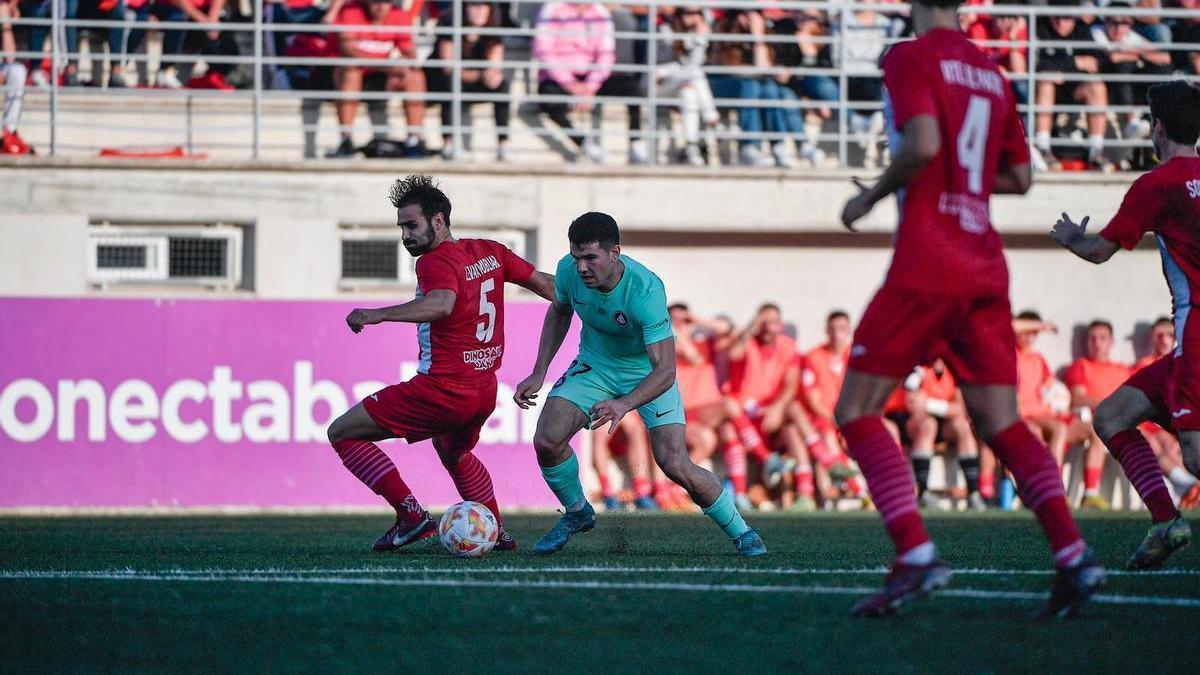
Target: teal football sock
564, 482
725, 514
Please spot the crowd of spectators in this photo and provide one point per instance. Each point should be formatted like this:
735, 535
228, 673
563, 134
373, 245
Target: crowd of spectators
761, 410
776, 70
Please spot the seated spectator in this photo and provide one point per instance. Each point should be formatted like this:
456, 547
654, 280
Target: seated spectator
1013, 61
791, 88
683, 53
131, 39
751, 87
1164, 444
1125, 52
1070, 60
43, 9
283, 43
12, 78
384, 46
937, 412
1186, 31
490, 80
864, 36
809, 26
1036, 383
211, 43
1151, 26
1092, 378
577, 47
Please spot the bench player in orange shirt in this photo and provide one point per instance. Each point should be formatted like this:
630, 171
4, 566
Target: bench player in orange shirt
1034, 383
936, 410
1092, 378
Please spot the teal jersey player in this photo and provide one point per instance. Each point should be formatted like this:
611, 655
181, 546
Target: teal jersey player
626, 362
618, 325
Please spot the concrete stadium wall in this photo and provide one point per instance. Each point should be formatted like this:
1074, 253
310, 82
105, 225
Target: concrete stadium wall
722, 240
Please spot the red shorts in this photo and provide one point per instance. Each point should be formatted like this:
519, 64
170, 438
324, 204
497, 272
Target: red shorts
1172, 387
902, 329
451, 413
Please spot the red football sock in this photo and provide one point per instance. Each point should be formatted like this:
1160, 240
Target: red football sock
804, 481
733, 454
855, 487
750, 437
889, 479
474, 483
661, 487
641, 487
987, 484
1040, 485
605, 484
1137, 459
1091, 478
820, 452
368, 464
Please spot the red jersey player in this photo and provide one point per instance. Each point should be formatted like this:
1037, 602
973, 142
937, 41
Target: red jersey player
1163, 442
1165, 201
459, 310
946, 295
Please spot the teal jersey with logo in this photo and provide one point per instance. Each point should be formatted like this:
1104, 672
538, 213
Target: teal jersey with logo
617, 325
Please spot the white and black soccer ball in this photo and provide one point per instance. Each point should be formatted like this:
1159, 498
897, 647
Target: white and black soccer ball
468, 530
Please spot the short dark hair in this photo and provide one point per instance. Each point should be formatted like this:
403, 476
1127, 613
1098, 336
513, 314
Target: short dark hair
423, 191
677, 305
1029, 315
943, 4
594, 227
1177, 104
767, 305
1100, 323
837, 314
1163, 321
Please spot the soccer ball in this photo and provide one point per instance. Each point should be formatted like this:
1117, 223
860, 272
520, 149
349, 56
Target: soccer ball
468, 530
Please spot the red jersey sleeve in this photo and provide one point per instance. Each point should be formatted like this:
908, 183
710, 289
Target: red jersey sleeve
436, 272
1138, 212
908, 84
516, 269
1073, 376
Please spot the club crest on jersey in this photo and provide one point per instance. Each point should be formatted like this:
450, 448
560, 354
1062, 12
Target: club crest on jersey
620, 318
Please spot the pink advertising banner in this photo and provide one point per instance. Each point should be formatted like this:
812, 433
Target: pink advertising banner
131, 402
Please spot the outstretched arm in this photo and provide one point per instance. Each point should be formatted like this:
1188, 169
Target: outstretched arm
920, 144
541, 284
554, 330
1074, 237
434, 306
660, 379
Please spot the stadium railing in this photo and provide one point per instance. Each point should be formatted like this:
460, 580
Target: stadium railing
263, 63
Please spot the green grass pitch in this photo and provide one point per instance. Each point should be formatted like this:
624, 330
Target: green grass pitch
662, 593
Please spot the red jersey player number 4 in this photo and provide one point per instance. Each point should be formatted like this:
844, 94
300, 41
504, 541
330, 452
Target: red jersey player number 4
459, 312
958, 140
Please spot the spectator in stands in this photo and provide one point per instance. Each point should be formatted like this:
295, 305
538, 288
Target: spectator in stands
12, 78
1163, 442
864, 34
683, 52
577, 48
207, 42
1092, 378
937, 412
791, 87
812, 26
131, 40
283, 43
751, 87
477, 14
395, 42
1186, 31
1012, 60
1069, 60
43, 9
1151, 26
1125, 52
1036, 385
622, 82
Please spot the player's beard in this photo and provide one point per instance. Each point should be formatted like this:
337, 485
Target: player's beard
419, 246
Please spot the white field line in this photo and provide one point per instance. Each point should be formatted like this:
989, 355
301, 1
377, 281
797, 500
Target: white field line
465, 568
969, 593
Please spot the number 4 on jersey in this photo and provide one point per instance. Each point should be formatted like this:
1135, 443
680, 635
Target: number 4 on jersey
972, 141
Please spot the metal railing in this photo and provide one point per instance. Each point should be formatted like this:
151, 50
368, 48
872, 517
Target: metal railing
256, 92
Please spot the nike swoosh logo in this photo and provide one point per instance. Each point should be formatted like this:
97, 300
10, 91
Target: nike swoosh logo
664, 414
375, 397
1180, 413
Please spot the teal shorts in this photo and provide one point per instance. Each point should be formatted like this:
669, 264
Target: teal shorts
585, 386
